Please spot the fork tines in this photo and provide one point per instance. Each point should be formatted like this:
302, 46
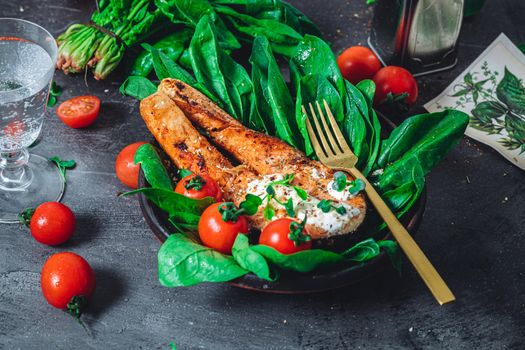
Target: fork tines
327, 140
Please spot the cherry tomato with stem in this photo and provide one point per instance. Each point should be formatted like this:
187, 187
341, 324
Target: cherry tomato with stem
286, 235
395, 85
198, 187
220, 224
67, 282
125, 168
51, 223
358, 63
79, 112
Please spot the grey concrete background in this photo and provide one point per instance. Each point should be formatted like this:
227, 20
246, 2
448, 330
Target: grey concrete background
472, 231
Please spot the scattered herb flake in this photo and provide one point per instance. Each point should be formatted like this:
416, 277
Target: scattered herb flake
63, 165
268, 212
54, 92
356, 186
301, 193
289, 208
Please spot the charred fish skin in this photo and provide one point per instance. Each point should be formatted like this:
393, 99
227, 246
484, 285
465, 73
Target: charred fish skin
185, 146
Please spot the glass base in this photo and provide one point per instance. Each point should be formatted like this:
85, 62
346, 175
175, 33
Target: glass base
46, 186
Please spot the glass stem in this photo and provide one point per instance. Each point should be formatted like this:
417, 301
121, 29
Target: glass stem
15, 175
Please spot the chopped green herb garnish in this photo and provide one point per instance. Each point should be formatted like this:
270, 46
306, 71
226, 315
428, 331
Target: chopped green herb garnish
340, 181
268, 212
356, 186
289, 208
340, 210
326, 205
251, 204
63, 165
301, 193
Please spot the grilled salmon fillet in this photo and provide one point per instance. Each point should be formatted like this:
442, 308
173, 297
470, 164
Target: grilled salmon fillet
171, 115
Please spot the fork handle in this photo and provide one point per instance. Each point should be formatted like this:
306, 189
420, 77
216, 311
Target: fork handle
423, 266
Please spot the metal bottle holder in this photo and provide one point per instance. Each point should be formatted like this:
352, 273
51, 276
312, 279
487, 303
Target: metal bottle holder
420, 35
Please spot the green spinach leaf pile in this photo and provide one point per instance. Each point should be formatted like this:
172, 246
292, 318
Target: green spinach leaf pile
118, 25
261, 99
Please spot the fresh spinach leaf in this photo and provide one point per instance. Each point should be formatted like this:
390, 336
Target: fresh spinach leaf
183, 209
393, 252
373, 127
182, 262
363, 251
303, 261
168, 68
219, 73
417, 145
137, 87
250, 260
153, 168
283, 38
172, 46
273, 100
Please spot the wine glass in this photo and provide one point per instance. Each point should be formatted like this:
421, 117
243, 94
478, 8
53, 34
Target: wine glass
27, 62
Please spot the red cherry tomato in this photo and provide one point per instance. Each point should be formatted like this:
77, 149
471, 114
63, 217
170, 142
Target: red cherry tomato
125, 167
358, 63
217, 233
79, 112
52, 223
395, 81
199, 186
277, 235
65, 276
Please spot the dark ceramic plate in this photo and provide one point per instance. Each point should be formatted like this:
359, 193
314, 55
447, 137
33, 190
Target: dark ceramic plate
292, 282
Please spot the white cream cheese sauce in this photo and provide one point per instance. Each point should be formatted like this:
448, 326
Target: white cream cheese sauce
332, 222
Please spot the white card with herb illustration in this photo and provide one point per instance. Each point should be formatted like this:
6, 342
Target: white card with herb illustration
492, 92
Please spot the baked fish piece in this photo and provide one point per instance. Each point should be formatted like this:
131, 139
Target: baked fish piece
176, 109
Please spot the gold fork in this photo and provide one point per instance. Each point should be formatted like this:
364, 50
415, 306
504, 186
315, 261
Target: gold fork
333, 151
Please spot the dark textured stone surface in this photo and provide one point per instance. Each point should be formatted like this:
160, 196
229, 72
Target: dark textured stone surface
473, 231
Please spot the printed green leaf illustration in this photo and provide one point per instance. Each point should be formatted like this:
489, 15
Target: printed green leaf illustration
484, 114
511, 92
502, 107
